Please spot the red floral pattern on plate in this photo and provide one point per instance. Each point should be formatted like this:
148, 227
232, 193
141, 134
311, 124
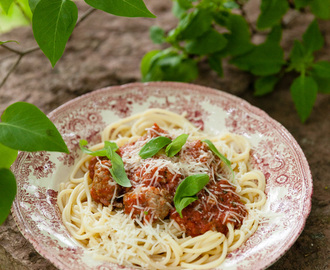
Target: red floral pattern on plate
275, 152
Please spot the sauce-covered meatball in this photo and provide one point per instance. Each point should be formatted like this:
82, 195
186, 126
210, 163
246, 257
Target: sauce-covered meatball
147, 203
104, 188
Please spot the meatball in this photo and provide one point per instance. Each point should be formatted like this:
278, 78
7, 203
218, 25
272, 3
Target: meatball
162, 177
147, 203
103, 188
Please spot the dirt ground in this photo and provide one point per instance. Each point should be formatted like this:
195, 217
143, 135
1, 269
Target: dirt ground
106, 50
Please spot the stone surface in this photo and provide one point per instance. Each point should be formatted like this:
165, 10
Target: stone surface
106, 50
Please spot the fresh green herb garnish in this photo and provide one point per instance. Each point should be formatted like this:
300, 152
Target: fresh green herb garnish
186, 191
217, 153
117, 169
152, 147
175, 146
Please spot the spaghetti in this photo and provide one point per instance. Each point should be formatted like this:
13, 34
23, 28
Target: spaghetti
139, 226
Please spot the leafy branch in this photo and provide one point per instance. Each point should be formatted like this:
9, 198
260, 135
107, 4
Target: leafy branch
23, 126
53, 22
213, 31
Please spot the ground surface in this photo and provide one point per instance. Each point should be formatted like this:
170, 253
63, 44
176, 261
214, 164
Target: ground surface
106, 50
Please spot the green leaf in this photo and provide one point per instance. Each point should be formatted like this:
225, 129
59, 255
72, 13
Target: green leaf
215, 62
303, 92
153, 146
321, 69
218, 154
157, 34
321, 74
33, 4
301, 3
170, 66
323, 84
52, 23
272, 12
125, 8
186, 191
209, 42
194, 25
146, 62
321, 8
230, 5
6, 5
98, 153
183, 203
24, 127
117, 169
312, 38
185, 4
239, 36
7, 192
184, 71
265, 85
7, 41
175, 146
264, 59
7, 156
298, 57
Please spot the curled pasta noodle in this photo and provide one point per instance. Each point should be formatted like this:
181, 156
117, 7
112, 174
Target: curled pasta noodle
114, 237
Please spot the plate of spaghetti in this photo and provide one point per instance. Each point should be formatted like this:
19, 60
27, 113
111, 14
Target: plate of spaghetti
164, 176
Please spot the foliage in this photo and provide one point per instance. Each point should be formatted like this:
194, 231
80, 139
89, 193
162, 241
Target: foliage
213, 30
23, 127
13, 14
54, 20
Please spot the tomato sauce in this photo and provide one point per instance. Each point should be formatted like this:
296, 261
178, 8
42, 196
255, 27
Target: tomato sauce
213, 209
151, 196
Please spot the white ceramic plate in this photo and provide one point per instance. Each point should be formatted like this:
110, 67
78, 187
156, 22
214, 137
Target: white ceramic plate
275, 152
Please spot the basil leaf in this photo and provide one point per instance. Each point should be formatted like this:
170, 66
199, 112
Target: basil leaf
126, 8
301, 3
271, 12
321, 69
210, 42
24, 127
7, 192
264, 59
175, 146
312, 38
298, 58
146, 62
157, 34
7, 157
265, 85
303, 92
215, 63
321, 8
239, 37
152, 147
193, 25
217, 153
117, 169
52, 24
98, 153
183, 203
187, 189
